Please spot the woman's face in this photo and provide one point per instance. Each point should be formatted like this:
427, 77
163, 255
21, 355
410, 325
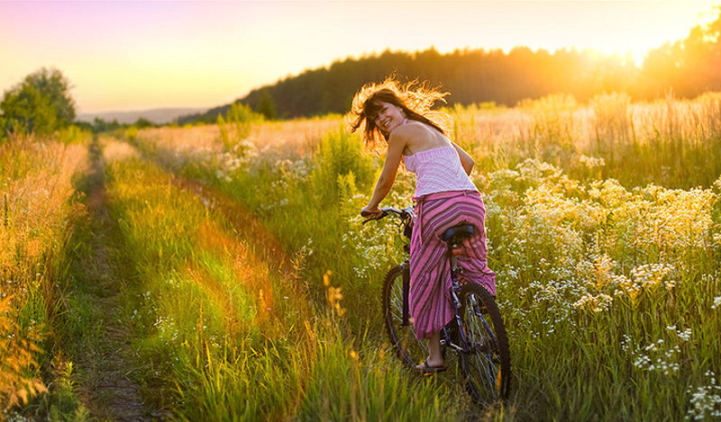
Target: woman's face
389, 117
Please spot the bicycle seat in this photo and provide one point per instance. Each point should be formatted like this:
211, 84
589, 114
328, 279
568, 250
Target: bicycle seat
458, 232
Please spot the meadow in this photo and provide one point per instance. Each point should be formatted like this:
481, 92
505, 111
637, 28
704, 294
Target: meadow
245, 287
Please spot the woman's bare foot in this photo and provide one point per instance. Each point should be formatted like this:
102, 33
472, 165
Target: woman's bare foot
430, 366
434, 361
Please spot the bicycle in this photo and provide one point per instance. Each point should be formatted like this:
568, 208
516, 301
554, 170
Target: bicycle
476, 333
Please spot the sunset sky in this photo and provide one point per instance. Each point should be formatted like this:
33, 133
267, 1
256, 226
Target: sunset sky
140, 55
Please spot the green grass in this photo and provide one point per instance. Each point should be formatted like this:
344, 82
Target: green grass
599, 285
609, 286
223, 336
37, 204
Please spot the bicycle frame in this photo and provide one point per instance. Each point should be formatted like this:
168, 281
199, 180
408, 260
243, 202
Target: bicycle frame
476, 333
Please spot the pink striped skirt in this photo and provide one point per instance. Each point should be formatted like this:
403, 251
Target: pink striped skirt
430, 303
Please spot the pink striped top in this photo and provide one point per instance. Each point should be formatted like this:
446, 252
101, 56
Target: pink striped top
438, 170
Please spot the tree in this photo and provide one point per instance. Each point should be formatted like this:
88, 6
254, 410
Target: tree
689, 66
100, 125
143, 123
266, 106
40, 104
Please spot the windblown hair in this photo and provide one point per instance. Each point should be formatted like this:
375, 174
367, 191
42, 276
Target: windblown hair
414, 99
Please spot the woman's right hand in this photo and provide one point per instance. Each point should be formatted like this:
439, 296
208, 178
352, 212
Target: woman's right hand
371, 212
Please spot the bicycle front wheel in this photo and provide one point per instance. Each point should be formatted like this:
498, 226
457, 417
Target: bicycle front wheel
410, 349
486, 365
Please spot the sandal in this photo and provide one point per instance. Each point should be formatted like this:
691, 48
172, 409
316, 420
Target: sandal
426, 369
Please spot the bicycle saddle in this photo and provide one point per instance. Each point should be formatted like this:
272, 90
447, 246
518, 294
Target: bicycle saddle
458, 232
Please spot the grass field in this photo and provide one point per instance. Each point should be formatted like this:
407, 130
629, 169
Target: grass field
226, 272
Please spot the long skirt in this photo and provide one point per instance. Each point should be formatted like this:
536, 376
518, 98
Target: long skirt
430, 303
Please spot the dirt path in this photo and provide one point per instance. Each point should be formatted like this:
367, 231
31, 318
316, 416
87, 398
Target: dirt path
103, 349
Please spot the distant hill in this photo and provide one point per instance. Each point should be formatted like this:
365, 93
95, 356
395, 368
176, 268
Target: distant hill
156, 115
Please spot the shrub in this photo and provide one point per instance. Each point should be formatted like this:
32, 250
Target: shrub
340, 153
41, 104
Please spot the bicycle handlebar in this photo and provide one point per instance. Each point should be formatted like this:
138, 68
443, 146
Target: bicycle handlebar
404, 213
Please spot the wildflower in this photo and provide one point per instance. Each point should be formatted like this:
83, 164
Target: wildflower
685, 335
629, 287
334, 297
591, 162
603, 266
705, 399
650, 275
716, 302
594, 303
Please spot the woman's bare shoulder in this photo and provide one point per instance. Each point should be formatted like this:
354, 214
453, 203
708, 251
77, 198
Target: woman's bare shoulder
412, 129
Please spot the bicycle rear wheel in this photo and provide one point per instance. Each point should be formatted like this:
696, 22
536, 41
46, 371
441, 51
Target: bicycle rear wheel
486, 366
410, 349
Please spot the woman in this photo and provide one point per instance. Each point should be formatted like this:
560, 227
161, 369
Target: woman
444, 197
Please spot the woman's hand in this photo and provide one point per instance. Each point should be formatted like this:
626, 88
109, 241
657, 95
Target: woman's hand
371, 212
466, 160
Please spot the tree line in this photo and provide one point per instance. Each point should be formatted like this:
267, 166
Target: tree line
686, 67
42, 104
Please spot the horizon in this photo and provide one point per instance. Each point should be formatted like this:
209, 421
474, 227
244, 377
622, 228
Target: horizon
123, 57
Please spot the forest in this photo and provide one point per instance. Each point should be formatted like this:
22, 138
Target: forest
686, 68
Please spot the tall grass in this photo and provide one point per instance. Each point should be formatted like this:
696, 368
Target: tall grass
205, 310
667, 142
224, 336
36, 204
609, 291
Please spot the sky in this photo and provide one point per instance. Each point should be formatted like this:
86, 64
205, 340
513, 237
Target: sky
135, 55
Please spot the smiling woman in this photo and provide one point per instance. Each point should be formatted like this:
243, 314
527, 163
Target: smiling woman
393, 103
445, 197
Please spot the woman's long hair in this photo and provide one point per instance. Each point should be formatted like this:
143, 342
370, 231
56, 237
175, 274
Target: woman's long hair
414, 99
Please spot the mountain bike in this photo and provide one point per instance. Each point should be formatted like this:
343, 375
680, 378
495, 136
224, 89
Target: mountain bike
476, 333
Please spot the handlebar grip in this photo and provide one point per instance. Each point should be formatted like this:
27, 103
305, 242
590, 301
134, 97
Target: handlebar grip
372, 216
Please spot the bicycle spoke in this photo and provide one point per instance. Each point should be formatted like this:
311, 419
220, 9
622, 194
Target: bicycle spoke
476, 337
484, 378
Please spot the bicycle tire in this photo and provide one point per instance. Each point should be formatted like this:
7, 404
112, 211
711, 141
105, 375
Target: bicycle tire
487, 368
410, 349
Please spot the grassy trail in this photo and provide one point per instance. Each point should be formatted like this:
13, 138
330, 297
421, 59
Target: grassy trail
378, 387
100, 330
267, 248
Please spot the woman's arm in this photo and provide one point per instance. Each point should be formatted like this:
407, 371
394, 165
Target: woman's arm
466, 160
396, 144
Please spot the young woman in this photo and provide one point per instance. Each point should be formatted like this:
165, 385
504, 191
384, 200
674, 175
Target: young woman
401, 117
